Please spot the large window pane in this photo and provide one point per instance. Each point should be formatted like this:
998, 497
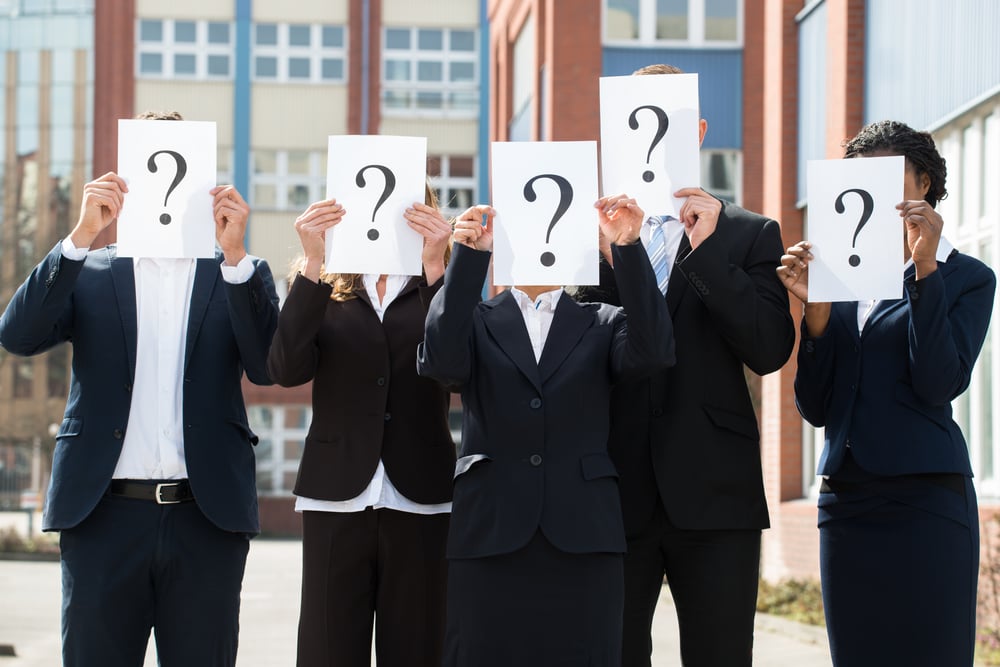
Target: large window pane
218, 33
151, 31
150, 63
218, 65
463, 40
298, 35
462, 71
267, 34
721, 18
333, 68
185, 32
298, 68
184, 63
672, 19
333, 36
396, 38
267, 67
621, 20
397, 70
430, 40
429, 71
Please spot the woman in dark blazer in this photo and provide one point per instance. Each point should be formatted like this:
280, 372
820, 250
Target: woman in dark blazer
536, 540
374, 482
899, 527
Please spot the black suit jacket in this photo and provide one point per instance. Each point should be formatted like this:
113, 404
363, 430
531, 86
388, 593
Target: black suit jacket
534, 439
688, 436
91, 303
368, 402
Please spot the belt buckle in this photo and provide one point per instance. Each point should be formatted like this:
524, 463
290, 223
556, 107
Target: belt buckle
158, 493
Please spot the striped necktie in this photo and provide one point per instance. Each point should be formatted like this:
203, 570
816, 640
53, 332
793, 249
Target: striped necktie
657, 251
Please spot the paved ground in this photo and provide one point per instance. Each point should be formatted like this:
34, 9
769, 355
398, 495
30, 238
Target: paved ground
29, 617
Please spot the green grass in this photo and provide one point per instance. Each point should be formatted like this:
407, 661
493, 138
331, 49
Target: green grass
795, 599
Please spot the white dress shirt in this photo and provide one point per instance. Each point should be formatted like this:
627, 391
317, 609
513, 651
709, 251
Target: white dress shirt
154, 440
380, 493
673, 231
537, 315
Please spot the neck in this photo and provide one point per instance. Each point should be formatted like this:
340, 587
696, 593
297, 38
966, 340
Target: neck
534, 290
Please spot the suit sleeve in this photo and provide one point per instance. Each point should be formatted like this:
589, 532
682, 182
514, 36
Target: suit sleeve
814, 375
944, 342
40, 314
644, 337
446, 351
294, 352
253, 311
747, 302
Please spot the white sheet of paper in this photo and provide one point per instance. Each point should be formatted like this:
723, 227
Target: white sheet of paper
532, 243
169, 166
376, 178
856, 257
635, 158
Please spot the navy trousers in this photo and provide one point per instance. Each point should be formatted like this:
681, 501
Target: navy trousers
132, 566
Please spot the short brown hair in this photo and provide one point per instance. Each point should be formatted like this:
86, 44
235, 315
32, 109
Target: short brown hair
658, 69
159, 115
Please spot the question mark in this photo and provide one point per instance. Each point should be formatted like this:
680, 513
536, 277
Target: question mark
178, 176
390, 185
565, 199
869, 205
662, 123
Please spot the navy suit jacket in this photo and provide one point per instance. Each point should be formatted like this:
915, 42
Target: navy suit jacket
535, 434
91, 304
887, 391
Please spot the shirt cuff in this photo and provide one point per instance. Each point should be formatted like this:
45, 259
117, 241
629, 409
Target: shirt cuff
70, 251
239, 274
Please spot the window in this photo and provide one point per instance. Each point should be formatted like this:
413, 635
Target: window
721, 174
299, 53
680, 22
175, 49
24, 378
282, 431
288, 180
430, 70
454, 181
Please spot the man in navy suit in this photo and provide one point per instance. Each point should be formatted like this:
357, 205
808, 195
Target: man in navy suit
153, 472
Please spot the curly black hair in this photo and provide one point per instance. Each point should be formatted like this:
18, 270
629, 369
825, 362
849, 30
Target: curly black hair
917, 147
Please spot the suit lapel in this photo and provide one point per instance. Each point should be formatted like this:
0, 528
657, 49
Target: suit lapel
569, 323
206, 275
123, 280
886, 306
506, 324
677, 283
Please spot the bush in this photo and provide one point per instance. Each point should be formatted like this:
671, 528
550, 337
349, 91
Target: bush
796, 599
11, 541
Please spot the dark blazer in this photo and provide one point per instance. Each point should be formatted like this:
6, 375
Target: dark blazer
91, 303
534, 438
689, 434
368, 402
887, 392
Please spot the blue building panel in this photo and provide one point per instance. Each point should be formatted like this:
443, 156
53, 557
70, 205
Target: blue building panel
720, 84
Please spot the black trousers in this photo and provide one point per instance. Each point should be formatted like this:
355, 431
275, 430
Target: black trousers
133, 565
377, 565
713, 579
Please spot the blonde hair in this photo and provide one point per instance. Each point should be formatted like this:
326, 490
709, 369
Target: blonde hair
346, 285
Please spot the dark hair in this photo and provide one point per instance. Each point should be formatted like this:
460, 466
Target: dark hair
899, 138
658, 69
159, 115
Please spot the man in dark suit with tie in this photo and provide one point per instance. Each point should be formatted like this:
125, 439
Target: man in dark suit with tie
153, 474
686, 441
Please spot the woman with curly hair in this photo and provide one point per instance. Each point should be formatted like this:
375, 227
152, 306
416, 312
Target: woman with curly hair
898, 520
374, 482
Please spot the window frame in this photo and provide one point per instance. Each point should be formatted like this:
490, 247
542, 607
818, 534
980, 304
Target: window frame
695, 24
285, 53
168, 48
446, 56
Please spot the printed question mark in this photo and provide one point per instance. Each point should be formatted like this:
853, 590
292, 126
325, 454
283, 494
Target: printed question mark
869, 205
662, 123
390, 185
178, 176
565, 199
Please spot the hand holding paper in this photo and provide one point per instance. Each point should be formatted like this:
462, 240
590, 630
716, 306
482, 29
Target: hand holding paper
620, 218
103, 198
469, 229
699, 213
230, 212
923, 233
430, 224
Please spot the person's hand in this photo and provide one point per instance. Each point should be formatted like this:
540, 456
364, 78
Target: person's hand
794, 270
231, 214
470, 231
429, 223
103, 199
699, 213
620, 220
311, 227
923, 234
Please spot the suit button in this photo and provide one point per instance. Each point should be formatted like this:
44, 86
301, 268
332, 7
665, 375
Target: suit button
657, 412
117, 433
388, 416
535, 460
535, 403
380, 382
810, 346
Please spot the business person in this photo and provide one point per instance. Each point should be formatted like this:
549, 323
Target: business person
536, 539
374, 483
153, 472
898, 521
685, 441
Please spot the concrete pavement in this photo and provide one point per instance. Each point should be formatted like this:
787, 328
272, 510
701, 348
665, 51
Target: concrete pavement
29, 617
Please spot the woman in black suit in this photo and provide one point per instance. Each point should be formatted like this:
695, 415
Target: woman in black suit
374, 483
536, 540
898, 521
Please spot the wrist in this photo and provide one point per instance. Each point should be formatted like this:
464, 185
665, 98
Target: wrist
234, 255
924, 269
81, 238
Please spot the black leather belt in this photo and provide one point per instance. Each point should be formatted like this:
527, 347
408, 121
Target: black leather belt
951, 481
165, 492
